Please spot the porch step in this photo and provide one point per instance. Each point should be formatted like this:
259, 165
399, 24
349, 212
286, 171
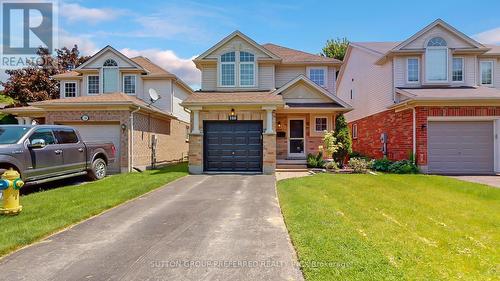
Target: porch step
291, 166
292, 170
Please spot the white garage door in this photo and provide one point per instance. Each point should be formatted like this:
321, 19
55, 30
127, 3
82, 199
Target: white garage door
461, 147
102, 133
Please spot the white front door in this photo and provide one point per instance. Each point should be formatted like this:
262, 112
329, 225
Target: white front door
296, 138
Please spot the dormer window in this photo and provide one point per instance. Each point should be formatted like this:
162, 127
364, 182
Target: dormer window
110, 76
436, 60
237, 62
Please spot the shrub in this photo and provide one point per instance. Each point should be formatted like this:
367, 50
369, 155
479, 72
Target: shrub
332, 166
356, 154
330, 143
343, 138
315, 161
403, 167
381, 164
359, 165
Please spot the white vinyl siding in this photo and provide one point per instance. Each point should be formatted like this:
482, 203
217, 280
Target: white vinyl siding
266, 77
209, 77
285, 74
110, 80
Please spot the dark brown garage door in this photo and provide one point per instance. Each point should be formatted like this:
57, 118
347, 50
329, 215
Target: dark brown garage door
461, 147
233, 146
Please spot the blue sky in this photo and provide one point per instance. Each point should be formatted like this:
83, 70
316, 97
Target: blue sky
172, 32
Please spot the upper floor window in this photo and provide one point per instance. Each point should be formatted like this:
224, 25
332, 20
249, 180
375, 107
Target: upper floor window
457, 71
247, 69
129, 84
69, 89
227, 69
317, 75
93, 85
436, 60
110, 76
486, 72
412, 70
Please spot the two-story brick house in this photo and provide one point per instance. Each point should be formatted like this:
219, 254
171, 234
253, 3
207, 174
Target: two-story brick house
435, 95
107, 99
259, 105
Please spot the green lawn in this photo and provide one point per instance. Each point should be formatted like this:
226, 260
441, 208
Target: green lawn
46, 212
393, 227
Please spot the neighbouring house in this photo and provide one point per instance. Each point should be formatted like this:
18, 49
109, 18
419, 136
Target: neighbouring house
107, 99
435, 95
259, 106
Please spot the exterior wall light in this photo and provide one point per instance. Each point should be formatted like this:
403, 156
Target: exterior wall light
279, 124
232, 112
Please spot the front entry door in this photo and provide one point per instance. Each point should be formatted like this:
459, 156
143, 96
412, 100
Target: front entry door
296, 140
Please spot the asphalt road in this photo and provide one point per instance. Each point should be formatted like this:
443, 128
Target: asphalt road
219, 227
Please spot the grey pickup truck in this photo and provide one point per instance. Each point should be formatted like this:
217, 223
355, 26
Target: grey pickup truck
43, 153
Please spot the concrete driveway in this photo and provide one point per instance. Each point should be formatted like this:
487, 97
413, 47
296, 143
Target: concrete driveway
488, 180
197, 228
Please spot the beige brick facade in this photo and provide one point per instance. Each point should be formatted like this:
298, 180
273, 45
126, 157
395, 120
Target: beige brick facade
171, 134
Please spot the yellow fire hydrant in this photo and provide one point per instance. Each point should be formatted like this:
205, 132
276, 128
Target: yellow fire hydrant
10, 184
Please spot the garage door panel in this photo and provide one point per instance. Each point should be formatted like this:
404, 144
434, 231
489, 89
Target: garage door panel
461, 147
233, 146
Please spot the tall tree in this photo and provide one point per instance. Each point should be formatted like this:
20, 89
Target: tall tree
335, 48
34, 82
343, 137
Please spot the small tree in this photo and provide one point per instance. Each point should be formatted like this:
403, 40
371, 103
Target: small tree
343, 138
331, 145
335, 48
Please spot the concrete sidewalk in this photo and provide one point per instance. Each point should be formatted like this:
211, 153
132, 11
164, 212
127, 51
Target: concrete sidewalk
488, 180
198, 228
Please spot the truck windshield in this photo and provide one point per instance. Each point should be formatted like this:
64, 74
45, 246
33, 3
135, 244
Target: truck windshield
12, 134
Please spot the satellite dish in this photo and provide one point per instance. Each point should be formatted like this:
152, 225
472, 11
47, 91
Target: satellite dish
153, 95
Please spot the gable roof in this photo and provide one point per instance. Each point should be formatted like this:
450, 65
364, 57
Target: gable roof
113, 50
232, 98
307, 81
377, 47
444, 25
152, 68
226, 39
291, 56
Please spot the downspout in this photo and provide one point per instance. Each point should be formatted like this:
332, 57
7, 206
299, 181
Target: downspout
414, 136
131, 148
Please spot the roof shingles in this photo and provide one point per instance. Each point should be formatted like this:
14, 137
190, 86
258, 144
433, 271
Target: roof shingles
291, 56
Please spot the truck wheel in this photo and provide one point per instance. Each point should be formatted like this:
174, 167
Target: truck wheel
99, 169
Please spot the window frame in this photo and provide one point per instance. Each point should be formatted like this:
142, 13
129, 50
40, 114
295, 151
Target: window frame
325, 74
98, 84
354, 131
135, 84
492, 73
447, 63
221, 63
316, 124
240, 63
64, 88
463, 69
408, 70
31, 138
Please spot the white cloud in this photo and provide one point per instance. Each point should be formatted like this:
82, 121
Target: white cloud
75, 12
86, 46
491, 36
167, 59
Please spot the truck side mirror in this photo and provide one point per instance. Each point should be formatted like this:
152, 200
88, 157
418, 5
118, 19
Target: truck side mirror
37, 143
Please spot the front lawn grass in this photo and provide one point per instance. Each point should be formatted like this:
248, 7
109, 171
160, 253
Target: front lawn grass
49, 211
393, 227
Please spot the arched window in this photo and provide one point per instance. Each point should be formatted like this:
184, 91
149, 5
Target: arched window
436, 60
110, 62
227, 69
110, 76
247, 69
436, 42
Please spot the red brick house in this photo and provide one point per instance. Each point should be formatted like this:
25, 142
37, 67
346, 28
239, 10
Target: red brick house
435, 95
